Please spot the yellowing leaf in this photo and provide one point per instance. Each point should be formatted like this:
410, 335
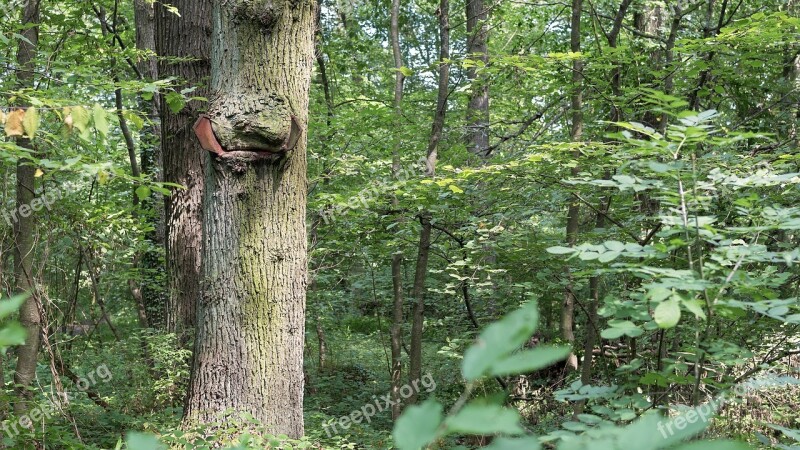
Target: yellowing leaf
38, 173
31, 122
100, 119
456, 189
68, 120
102, 177
80, 119
14, 123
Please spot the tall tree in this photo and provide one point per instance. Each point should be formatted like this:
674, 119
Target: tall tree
25, 225
418, 311
573, 211
478, 106
251, 314
151, 163
397, 257
183, 41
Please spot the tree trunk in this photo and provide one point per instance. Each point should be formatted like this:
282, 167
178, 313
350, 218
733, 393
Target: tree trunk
418, 313
187, 36
250, 330
478, 106
25, 228
151, 161
397, 257
573, 213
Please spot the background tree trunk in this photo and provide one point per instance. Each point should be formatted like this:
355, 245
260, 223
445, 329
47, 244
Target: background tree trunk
478, 106
151, 265
187, 36
397, 256
573, 212
25, 227
251, 315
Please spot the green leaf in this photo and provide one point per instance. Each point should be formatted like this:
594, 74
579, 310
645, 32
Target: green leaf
498, 340
100, 117
560, 250
143, 441
695, 307
530, 360
142, 192
11, 305
418, 426
525, 443
667, 313
480, 418
175, 102
621, 328
12, 334
608, 256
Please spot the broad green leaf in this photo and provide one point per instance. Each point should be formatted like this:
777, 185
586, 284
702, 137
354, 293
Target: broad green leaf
100, 117
498, 340
12, 334
418, 426
479, 418
560, 250
667, 313
143, 441
142, 192
523, 443
175, 101
11, 305
529, 360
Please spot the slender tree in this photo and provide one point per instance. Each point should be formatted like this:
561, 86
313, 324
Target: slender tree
573, 211
250, 330
397, 257
421, 272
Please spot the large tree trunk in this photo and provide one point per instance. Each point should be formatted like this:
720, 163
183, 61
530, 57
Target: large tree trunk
188, 37
25, 227
250, 330
478, 106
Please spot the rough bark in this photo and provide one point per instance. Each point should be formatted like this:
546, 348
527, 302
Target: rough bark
25, 228
397, 257
573, 212
151, 161
478, 106
188, 37
250, 330
418, 310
